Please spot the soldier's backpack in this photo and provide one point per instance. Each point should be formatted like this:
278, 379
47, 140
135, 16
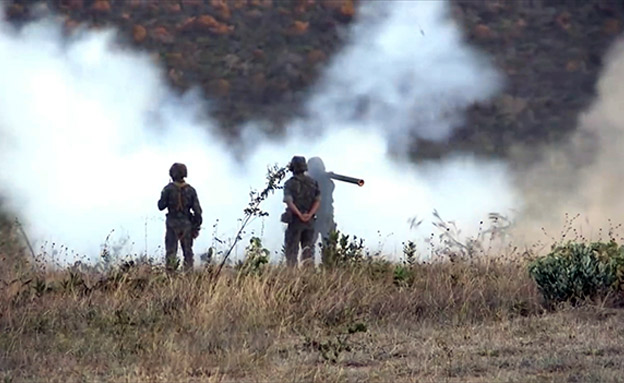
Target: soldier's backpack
304, 193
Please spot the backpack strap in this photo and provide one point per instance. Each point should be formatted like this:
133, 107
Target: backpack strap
180, 186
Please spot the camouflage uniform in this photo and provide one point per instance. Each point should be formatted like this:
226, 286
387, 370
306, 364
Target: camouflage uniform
303, 191
182, 225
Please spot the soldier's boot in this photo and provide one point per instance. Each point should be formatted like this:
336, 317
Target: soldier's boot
188, 263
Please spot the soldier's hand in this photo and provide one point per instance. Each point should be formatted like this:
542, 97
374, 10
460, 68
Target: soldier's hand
195, 233
306, 217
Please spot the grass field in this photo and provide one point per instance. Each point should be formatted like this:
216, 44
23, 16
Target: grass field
449, 321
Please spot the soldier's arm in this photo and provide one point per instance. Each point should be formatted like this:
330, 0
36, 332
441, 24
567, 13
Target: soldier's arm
289, 201
291, 205
162, 202
315, 205
197, 210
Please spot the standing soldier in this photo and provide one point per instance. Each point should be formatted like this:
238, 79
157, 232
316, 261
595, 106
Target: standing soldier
302, 197
324, 224
182, 224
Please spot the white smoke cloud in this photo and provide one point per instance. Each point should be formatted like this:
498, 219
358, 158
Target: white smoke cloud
575, 191
89, 130
405, 73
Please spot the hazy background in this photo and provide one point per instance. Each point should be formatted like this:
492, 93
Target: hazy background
90, 129
575, 190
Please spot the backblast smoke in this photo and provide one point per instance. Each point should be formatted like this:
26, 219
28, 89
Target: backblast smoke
575, 191
89, 130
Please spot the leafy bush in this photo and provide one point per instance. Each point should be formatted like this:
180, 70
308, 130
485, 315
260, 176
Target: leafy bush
576, 271
256, 256
402, 275
340, 250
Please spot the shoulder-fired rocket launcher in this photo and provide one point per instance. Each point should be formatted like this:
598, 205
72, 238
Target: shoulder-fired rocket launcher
351, 180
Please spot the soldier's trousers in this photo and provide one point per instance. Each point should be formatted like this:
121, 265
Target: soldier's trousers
299, 233
179, 232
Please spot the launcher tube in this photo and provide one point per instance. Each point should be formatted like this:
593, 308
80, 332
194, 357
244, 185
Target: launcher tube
340, 177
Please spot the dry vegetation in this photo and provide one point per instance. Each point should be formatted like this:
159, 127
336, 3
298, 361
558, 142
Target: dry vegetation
450, 321
477, 321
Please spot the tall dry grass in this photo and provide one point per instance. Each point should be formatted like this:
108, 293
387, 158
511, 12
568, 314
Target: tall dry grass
144, 323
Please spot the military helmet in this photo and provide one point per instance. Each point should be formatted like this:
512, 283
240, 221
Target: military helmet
178, 171
316, 165
298, 164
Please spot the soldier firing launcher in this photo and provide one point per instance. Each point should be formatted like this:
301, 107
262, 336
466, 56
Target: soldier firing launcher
351, 180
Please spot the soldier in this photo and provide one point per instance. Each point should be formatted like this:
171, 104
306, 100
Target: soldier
302, 197
182, 224
324, 224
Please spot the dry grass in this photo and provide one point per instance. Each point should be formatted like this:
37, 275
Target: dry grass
448, 321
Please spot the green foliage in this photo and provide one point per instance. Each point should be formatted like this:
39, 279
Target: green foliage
40, 286
340, 250
256, 256
577, 271
172, 263
402, 275
275, 176
74, 282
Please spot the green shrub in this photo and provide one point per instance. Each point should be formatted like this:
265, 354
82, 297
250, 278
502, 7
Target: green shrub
340, 250
576, 271
256, 256
402, 275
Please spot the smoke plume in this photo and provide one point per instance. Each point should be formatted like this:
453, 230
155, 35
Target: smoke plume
406, 73
576, 190
89, 130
